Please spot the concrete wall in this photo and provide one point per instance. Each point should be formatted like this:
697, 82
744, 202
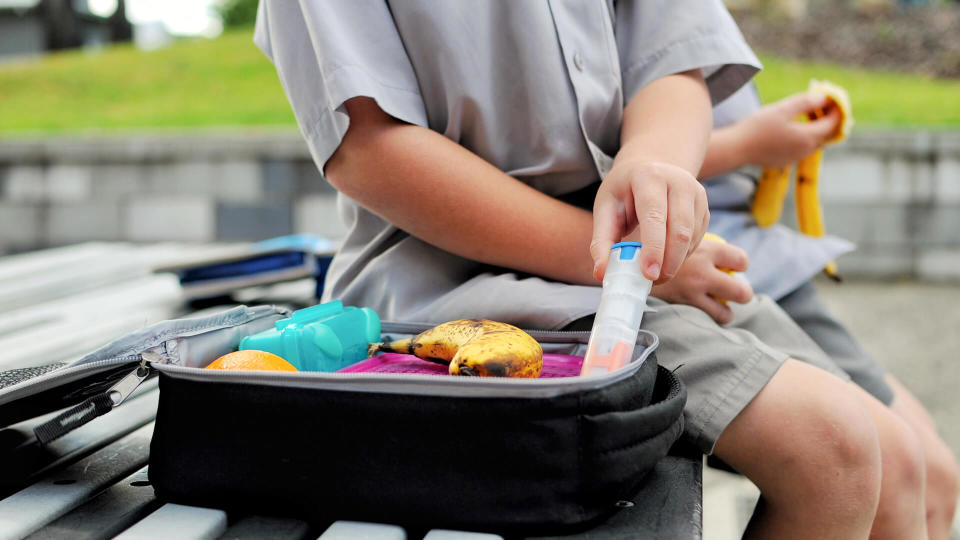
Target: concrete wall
897, 194
21, 36
148, 188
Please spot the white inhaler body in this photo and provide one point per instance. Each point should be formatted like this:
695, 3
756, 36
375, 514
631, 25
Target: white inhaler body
618, 318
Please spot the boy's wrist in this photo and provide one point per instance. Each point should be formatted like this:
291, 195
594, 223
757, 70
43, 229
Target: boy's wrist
636, 157
741, 146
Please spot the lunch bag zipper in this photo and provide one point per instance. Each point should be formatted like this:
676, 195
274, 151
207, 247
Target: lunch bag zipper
98, 405
104, 402
119, 392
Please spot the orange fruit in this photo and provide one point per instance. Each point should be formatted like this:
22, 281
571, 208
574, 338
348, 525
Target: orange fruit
258, 360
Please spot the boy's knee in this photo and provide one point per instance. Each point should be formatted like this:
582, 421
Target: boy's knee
832, 466
816, 443
841, 433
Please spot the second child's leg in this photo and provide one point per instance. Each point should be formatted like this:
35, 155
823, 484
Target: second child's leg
806, 308
942, 474
902, 509
828, 463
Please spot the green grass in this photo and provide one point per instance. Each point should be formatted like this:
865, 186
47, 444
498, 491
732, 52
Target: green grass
227, 82
880, 99
196, 83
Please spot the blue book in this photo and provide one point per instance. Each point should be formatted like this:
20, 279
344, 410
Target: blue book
285, 258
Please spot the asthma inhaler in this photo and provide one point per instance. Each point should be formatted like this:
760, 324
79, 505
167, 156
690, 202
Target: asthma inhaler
622, 302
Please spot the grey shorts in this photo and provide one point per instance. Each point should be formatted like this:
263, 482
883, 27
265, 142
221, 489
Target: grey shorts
809, 312
725, 367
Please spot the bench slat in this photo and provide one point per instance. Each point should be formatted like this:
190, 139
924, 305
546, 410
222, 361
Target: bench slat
162, 289
24, 461
178, 521
15, 267
357, 530
117, 508
59, 492
61, 282
258, 527
444, 534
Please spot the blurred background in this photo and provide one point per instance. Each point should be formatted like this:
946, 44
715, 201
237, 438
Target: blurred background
117, 113
144, 121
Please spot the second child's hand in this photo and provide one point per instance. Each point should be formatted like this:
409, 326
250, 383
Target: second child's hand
705, 281
770, 137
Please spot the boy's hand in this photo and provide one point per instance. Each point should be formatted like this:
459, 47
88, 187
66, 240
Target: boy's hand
661, 205
701, 282
773, 136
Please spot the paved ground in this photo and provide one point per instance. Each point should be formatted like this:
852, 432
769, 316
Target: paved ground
913, 329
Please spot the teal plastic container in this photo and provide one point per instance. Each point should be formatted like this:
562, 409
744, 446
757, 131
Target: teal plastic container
324, 337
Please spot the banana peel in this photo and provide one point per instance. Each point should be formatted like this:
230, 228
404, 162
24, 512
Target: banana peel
771, 191
772, 187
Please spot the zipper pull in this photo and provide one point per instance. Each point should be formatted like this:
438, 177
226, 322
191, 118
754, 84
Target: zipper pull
122, 390
96, 406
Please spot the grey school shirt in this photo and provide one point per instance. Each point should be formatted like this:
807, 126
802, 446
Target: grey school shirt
781, 259
537, 88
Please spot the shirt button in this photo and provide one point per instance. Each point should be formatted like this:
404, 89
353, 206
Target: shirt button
578, 61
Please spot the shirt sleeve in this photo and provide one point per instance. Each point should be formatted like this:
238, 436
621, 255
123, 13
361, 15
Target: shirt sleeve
328, 52
656, 38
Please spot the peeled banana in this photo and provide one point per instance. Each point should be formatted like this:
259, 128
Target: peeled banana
474, 347
772, 187
717, 238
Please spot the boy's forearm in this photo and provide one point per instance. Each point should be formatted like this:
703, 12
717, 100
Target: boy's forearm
724, 153
669, 120
440, 192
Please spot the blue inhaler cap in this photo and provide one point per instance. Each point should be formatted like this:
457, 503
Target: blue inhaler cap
627, 249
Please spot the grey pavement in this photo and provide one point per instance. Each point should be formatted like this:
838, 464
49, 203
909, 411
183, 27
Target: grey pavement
913, 330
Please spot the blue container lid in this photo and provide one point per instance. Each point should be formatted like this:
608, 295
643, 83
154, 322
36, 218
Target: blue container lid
627, 249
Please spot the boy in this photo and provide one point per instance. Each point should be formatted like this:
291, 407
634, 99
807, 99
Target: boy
784, 262
450, 129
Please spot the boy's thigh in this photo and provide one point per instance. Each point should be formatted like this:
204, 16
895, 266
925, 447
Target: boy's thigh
725, 367
806, 308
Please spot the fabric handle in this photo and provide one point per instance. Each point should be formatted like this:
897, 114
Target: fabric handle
73, 418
